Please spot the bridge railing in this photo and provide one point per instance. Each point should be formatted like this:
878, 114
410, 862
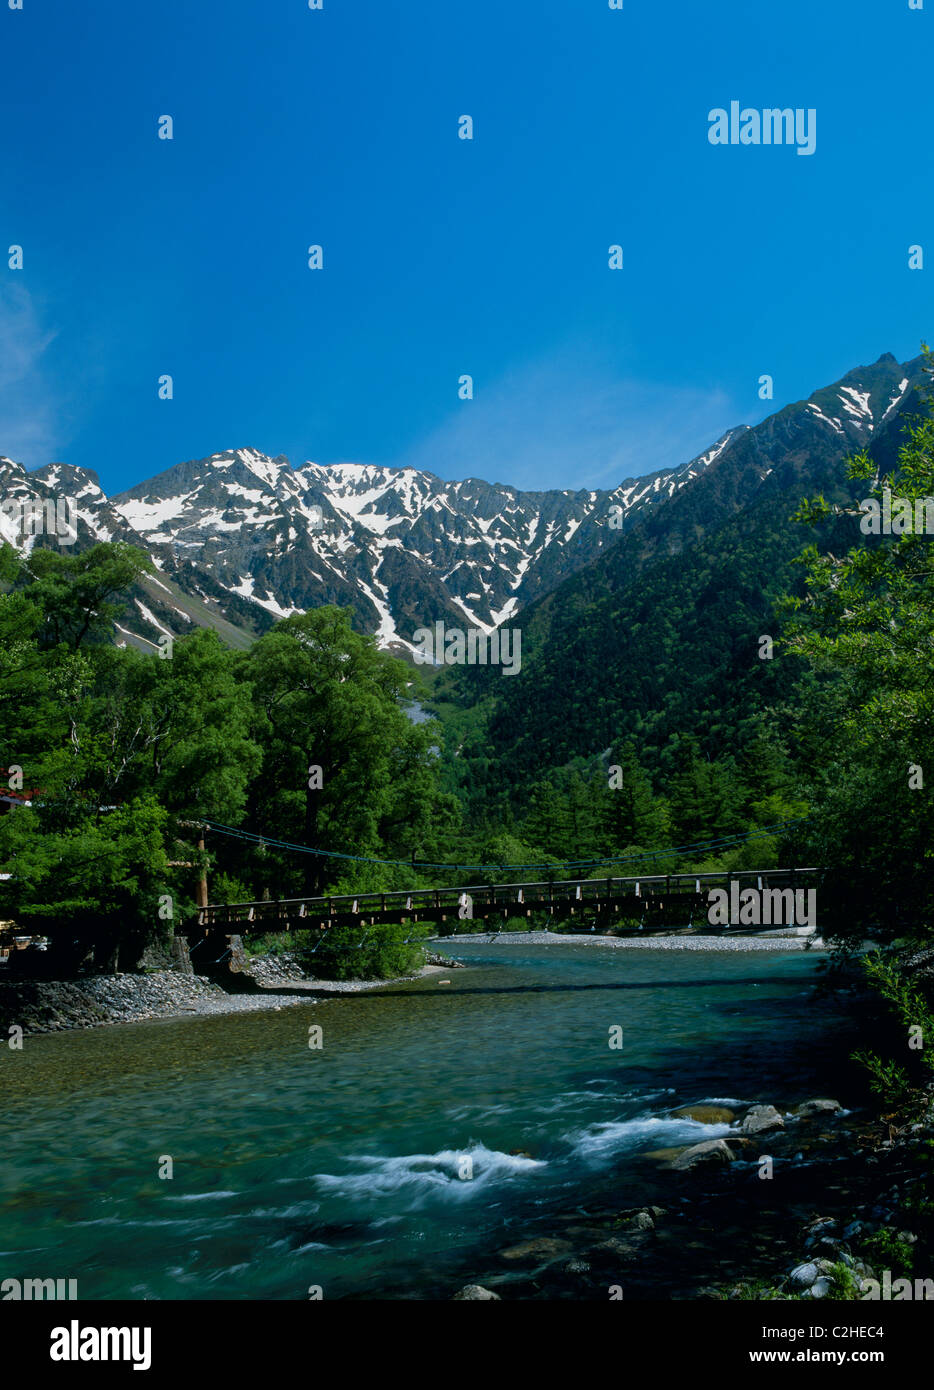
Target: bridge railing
485, 896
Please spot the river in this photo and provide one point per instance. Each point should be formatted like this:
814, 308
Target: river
438, 1123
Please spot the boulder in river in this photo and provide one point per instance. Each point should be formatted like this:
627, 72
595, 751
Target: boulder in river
760, 1118
475, 1293
711, 1151
705, 1114
818, 1107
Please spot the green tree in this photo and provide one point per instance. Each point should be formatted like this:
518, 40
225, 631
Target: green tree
118, 749
707, 797
867, 622
328, 699
632, 818
76, 593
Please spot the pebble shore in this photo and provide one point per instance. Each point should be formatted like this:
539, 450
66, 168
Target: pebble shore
41, 1006
644, 943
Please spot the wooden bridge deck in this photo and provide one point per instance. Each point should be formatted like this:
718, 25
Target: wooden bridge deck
645, 897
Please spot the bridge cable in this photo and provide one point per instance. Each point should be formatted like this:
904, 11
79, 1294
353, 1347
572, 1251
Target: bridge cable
697, 846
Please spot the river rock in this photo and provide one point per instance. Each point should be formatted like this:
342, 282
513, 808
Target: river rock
760, 1118
705, 1114
803, 1276
543, 1247
642, 1221
738, 1141
818, 1107
617, 1245
819, 1230
821, 1287
711, 1151
665, 1155
475, 1293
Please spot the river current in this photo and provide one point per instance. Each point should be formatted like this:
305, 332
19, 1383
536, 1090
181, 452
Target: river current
437, 1124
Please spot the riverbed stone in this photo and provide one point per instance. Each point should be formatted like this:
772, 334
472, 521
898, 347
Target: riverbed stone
541, 1248
711, 1151
821, 1106
705, 1114
739, 1141
618, 1245
642, 1221
761, 1118
475, 1293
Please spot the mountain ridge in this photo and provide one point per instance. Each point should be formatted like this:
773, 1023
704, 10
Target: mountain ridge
240, 530
240, 538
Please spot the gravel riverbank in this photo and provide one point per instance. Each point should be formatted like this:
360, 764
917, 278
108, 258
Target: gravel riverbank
674, 942
52, 1006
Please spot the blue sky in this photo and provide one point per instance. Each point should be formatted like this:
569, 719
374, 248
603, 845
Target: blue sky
443, 256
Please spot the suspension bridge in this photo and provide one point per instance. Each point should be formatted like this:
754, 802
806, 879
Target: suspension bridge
634, 904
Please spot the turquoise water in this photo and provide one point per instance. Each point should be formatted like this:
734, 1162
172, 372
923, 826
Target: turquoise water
385, 1164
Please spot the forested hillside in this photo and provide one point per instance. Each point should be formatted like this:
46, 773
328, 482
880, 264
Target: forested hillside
651, 646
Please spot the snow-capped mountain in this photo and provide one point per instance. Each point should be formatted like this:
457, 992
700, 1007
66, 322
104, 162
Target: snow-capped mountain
240, 538
402, 547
